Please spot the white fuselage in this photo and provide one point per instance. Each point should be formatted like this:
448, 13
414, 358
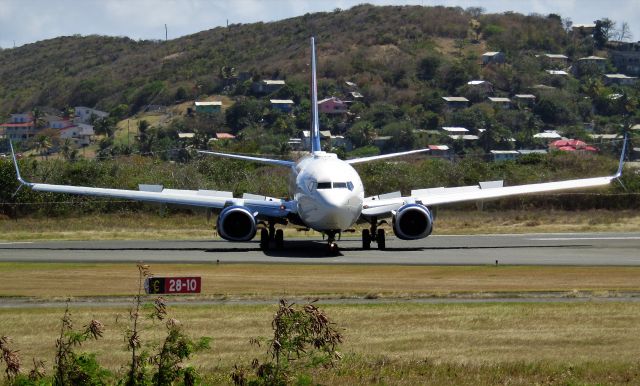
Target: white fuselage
328, 191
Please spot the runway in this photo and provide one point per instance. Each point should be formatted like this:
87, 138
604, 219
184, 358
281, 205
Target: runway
599, 249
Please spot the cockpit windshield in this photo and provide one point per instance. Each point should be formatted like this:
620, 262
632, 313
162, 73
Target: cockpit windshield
335, 185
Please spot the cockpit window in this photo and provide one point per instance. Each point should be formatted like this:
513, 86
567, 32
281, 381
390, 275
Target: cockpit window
337, 185
324, 185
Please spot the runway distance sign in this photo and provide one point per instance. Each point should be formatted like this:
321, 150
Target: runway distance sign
173, 285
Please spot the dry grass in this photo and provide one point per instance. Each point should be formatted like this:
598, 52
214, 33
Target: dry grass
394, 343
262, 281
120, 226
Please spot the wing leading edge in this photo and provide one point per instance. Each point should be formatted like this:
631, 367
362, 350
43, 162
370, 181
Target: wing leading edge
382, 205
261, 205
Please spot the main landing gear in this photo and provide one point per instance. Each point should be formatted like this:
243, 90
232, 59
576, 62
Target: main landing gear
373, 234
271, 236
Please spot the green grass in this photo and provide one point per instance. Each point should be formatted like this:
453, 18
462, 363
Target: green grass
130, 225
399, 344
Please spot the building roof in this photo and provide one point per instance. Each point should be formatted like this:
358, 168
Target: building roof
455, 99
557, 72
556, 56
225, 136
619, 76
325, 100
504, 152
21, 124
438, 147
584, 25
491, 53
476, 82
466, 137
550, 134
281, 101
350, 84
214, 103
525, 96
543, 87
274, 82
499, 100
356, 94
532, 151
186, 135
592, 57
604, 136
455, 129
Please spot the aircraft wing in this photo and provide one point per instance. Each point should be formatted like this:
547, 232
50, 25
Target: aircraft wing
390, 202
262, 205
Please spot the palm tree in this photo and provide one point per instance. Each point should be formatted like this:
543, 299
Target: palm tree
43, 144
68, 149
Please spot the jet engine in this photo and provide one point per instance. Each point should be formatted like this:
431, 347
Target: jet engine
412, 222
236, 223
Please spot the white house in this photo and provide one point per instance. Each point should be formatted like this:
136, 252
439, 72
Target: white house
84, 114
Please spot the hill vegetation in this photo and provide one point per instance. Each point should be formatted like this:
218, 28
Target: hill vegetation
403, 59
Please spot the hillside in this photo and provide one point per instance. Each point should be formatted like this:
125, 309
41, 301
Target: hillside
377, 47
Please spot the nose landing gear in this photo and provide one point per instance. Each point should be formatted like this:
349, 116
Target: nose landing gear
332, 247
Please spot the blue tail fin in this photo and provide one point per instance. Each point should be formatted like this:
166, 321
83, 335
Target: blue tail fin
315, 120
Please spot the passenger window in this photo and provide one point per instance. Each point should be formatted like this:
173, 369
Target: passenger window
350, 185
324, 185
338, 185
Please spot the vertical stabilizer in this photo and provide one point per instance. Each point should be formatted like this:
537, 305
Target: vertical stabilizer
315, 120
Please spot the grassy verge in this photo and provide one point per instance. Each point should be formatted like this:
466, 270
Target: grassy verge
180, 226
263, 281
393, 343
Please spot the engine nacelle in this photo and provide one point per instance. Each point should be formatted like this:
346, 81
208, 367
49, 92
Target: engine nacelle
412, 222
236, 223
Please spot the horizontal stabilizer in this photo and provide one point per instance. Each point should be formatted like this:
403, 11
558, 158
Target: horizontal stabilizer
383, 156
250, 158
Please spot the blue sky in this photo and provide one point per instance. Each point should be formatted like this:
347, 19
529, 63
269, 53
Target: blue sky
27, 21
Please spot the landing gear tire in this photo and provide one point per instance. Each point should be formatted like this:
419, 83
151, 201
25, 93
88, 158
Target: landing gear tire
332, 249
366, 239
264, 239
279, 239
380, 239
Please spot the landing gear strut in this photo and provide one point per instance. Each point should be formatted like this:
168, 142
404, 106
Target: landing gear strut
332, 247
271, 235
373, 234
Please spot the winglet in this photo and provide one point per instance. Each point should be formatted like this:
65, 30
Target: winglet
15, 163
624, 151
315, 120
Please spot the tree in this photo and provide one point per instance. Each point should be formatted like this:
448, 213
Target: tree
624, 32
603, 31
427, 67
43, 145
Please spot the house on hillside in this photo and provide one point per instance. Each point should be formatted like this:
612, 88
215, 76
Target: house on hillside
493, 57
456, 102
481, 85
501, 102
558, 60
80, 133
527, 100
585, 63
86, 114
325, 136
284, 105
208, 107
504, 155
20, 127
449, 130
440, 151
332, 105
625, 56
267, 86
583, 29
619, 79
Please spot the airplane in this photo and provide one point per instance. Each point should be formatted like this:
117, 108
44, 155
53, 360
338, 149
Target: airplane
327, 196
